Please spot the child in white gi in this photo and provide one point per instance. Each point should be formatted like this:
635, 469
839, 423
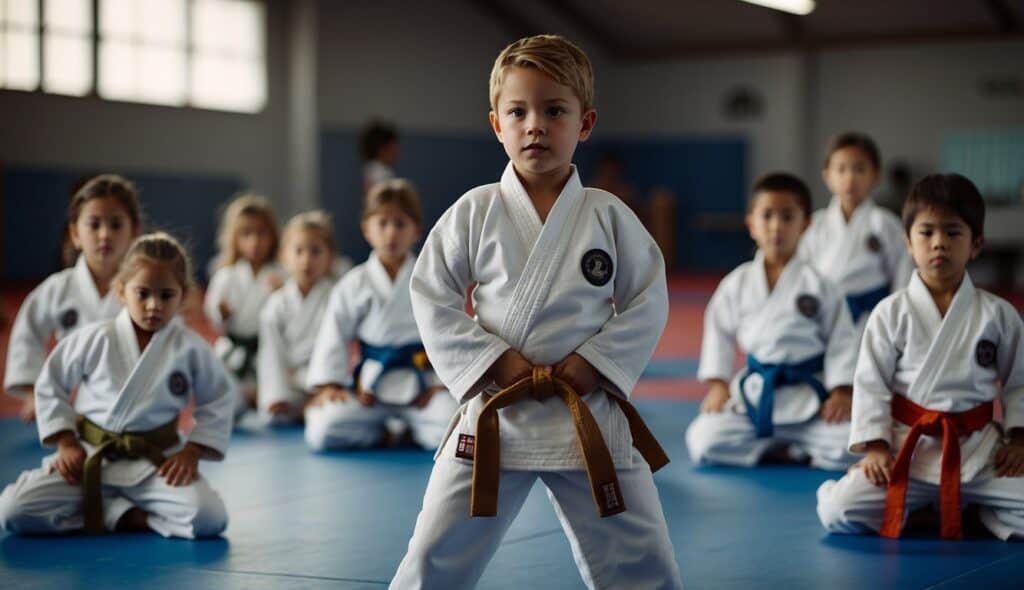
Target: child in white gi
378, 144
935, 356
246, 276
570, 289
120, 464
293, 314
103, 218
792, 400
370, 305
854, 242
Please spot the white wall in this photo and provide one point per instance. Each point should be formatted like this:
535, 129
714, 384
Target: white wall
907, 97
54, 131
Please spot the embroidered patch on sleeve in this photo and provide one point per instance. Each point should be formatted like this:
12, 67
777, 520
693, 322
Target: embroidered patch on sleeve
178, 383
985, 353
466, 446
807, 305
69, 318
597, 267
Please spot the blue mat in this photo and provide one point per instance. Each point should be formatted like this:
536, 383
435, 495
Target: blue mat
305, 520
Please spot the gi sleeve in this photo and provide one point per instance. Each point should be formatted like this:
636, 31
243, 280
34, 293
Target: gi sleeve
1010, 366
26, 349
460, 350
840, 337
622, 348
329, 362
61, 373
272, 360
718, 345
872, 380
215, 392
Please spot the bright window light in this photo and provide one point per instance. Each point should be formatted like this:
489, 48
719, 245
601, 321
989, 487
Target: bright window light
228, 70
67, 47
142, 52
19, 44
801, 7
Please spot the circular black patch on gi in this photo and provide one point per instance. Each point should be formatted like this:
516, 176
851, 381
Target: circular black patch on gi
177, 383
985, 353
69, 318
807, 305
597, 267
874, 244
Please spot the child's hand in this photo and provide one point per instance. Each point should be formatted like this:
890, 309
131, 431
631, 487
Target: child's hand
279, 408
510, 368
877, 465
329, 393
224, 309
837, 408
718, 395
70, 462
366, 398
578, 373
182, 468
1009, 460
27, 412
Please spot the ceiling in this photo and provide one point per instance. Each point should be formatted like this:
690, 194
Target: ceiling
653, 29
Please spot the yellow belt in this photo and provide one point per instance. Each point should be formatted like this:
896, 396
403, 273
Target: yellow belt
129, 445
604, 482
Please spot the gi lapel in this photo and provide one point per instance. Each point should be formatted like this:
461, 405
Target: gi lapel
944, 333
546, 251
140, 369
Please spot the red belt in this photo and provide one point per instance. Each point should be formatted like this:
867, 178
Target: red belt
951, 425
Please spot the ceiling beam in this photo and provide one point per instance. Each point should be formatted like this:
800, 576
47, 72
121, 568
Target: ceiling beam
590, 27
1003, 15
513, 21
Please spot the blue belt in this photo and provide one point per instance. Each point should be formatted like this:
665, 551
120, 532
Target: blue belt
774, 376
861, 303
408, 356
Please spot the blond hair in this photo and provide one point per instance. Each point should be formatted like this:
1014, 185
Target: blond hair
555, 57
247, 204
318, 221
157, 248
398, 192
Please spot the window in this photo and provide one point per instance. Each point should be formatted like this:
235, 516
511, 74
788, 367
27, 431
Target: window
202, 53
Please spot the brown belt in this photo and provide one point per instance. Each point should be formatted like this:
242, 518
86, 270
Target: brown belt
604, 482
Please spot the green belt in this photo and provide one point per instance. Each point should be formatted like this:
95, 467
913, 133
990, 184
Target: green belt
129, 445
250, 346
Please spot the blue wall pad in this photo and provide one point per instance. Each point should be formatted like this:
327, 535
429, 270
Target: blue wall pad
706, 175
342, 520
34, 205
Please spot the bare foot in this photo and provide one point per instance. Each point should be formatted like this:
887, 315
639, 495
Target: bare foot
135, 520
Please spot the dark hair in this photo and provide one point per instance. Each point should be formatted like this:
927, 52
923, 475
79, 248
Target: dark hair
398, 192
110, 186
374, 137
854, 140
783, 182
951, 192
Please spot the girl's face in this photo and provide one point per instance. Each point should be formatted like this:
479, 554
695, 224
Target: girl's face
776, 221
391, 232
152, 295
850, 174
103, 232
307, 257
253, 238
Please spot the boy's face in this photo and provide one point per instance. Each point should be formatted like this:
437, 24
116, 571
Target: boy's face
539, 121
850, 174
776, 221
941, 244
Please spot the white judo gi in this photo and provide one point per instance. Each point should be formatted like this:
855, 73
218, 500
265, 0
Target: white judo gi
865, 256
64, 302
803, 317
122, 390
949, 364
589, 280
288, 328
367, 306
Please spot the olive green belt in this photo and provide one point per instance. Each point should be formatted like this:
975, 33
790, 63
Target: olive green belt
127, 445
604, 482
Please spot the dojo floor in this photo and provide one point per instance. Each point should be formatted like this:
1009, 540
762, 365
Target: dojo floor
342, 520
